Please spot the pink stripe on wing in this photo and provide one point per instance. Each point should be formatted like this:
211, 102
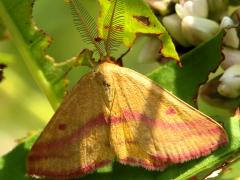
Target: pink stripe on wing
128, 115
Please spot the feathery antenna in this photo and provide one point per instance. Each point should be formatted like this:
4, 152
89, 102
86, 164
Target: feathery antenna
86, 25
114, 26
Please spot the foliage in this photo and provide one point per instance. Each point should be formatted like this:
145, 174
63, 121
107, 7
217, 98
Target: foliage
32, 43
140, 20
2, 30
183, 82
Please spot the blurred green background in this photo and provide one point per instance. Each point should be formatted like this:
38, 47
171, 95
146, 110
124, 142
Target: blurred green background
23, 107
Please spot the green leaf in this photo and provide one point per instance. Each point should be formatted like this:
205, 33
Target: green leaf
197, 64
209, 95
13, 166
31, 44
231, 170
5, 58
139, 19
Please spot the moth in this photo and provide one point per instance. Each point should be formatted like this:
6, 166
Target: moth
116, 113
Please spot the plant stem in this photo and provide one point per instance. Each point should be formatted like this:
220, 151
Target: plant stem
28, 58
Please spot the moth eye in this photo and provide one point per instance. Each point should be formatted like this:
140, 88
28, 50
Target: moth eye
62, 127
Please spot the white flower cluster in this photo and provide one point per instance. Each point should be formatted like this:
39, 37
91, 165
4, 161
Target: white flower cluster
189, 26
194, 22
230, 81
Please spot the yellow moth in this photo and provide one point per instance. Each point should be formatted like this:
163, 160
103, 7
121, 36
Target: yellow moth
116, 113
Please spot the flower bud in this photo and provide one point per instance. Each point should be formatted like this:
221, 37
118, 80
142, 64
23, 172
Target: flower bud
164, 7
197, 8
173, 25
197, 30
230, 82
150, 50
231, 57
217, 9
226, 22
231, 37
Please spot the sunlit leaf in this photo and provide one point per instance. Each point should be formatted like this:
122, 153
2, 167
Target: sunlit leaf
32, 44
139, 19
